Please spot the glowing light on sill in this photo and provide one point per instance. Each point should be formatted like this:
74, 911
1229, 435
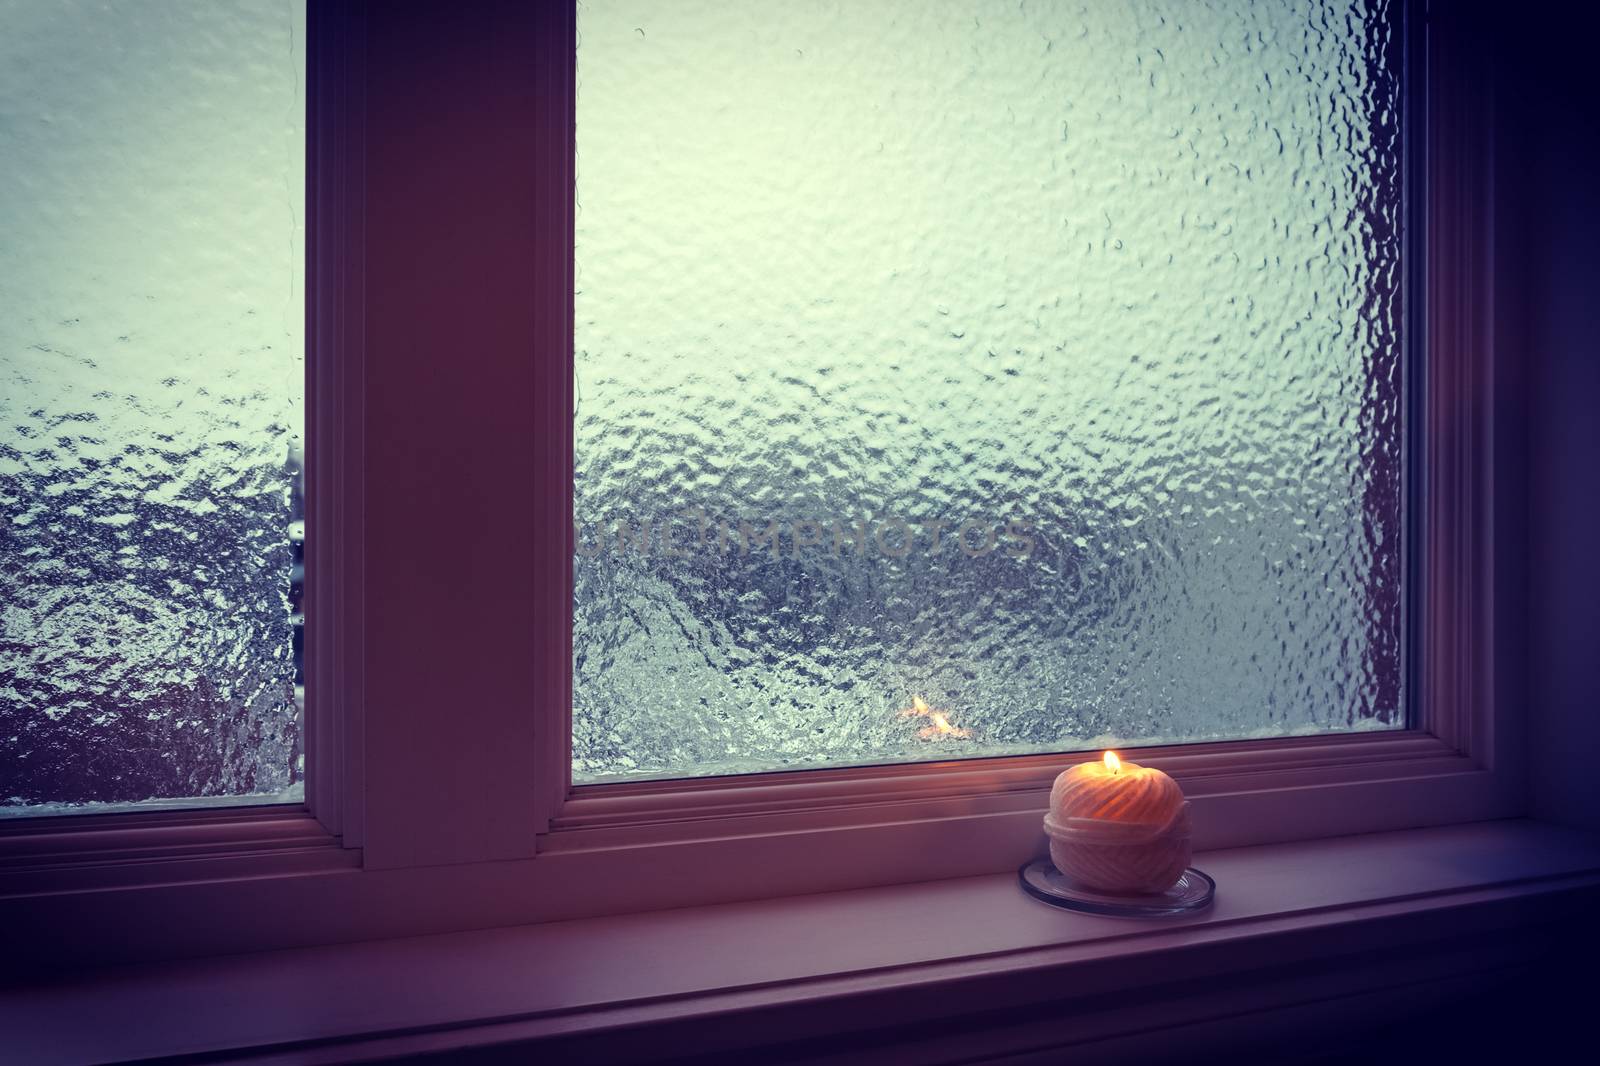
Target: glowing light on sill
1113, 763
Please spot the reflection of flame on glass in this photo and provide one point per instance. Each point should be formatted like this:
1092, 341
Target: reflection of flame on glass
941, 726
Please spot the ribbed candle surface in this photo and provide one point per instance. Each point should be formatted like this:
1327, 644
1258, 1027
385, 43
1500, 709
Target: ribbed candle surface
1118, 828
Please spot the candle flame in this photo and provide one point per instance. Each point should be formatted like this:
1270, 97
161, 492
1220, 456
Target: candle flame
941, 726
1113, 763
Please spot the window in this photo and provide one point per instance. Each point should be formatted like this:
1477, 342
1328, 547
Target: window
152, 404
439, 790
983, 379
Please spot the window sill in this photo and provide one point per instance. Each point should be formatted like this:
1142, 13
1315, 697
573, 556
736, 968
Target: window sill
775, 970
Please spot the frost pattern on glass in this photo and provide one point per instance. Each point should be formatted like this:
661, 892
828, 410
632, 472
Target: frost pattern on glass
150, 399
1112, 288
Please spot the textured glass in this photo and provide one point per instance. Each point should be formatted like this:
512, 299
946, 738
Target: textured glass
989, 378
151, 241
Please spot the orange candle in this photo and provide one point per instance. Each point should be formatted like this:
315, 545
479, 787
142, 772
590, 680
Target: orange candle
1118, 827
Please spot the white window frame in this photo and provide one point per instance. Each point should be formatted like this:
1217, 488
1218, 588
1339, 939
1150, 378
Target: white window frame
439, 399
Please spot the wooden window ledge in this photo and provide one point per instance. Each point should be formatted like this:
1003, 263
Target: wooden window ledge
940, 969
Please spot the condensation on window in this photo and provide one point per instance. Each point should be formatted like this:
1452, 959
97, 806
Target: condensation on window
151, 242
972, 378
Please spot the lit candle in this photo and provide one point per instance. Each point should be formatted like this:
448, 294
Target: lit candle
1117, 827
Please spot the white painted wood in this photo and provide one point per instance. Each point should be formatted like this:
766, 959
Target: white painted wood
588, 975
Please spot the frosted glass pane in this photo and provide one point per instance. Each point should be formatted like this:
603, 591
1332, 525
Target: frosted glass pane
1113, 288
150, 400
